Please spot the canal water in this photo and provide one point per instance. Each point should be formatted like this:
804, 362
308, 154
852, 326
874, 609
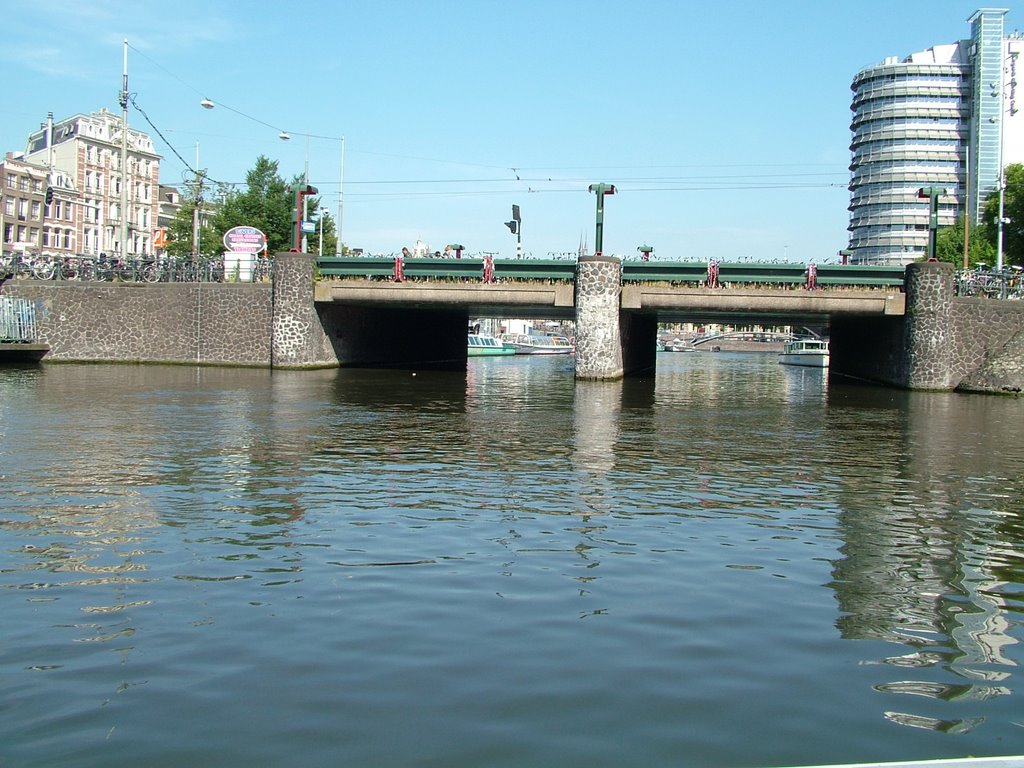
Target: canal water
727, 563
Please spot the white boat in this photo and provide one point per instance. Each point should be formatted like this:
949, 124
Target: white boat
483, 345
537, 344
678, 345
810, 353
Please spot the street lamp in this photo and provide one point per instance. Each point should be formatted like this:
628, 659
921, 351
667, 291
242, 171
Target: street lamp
283, 135
601, 190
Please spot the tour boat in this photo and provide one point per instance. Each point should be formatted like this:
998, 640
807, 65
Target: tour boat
537, 344
678, 345
810, 353
482, 345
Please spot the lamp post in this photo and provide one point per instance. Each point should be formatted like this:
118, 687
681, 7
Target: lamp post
600, 190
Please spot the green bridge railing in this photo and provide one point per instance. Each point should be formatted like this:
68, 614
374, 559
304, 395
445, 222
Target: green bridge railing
673, 272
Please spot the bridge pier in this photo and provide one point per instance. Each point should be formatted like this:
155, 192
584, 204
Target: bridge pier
298, 336
598, 336
928, 331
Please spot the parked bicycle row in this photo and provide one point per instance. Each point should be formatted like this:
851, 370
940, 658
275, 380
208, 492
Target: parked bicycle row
115, 268
991, 283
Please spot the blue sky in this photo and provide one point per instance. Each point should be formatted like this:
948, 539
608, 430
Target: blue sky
725, 127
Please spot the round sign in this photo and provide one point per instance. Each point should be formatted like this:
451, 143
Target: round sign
245, 240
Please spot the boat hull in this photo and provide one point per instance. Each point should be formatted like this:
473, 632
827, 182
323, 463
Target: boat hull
805, 360
532, 344
481, 345
489, 352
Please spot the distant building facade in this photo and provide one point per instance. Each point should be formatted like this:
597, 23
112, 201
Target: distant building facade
85, 152
23, 192
946, 117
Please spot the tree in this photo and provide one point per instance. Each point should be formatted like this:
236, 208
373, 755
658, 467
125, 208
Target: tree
265, 204
949, 245
1013, 211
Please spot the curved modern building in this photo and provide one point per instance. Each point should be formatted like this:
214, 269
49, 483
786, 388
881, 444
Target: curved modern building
926, 121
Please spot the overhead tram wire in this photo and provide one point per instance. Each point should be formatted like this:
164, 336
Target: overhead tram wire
141, 111
519, 169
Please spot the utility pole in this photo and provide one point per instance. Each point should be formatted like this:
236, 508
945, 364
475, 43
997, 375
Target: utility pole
341, 199
305, 202
124, 155
197, 221
967, 208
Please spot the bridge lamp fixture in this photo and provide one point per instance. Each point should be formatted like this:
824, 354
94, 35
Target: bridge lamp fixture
600, 190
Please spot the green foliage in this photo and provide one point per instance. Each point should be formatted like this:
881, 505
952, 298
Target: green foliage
949, 245
1013, 209
265, 203
180, 231
949, 242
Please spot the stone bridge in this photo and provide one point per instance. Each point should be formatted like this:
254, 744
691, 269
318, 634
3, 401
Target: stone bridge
914, 335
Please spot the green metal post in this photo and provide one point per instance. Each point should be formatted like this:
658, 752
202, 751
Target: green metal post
933, 194
601, 190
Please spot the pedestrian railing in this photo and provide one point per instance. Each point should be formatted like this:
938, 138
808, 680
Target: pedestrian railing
991, 283
713, 274
17, 320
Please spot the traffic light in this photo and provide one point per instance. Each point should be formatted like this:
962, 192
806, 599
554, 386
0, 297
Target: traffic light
49, 195
513, 226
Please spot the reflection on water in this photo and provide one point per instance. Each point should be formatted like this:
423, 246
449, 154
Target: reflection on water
712, 565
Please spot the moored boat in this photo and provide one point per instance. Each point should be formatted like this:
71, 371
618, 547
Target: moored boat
809, 353
483, 345
678, 345
537, 344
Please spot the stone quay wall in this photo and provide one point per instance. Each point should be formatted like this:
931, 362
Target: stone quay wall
989, 353
943, 343
196, 323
